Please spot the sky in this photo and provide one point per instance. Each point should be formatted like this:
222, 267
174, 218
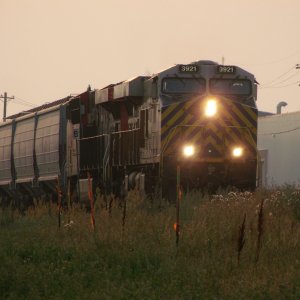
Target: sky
50, 49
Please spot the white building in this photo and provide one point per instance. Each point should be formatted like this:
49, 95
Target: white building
279, 148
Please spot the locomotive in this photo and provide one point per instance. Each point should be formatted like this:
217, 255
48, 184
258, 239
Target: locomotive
200, 117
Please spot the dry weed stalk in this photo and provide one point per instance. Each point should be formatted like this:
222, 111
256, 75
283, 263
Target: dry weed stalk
260, 230
241, 238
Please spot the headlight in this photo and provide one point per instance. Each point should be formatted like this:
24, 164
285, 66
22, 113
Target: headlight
237, 152
211, 108
188, 150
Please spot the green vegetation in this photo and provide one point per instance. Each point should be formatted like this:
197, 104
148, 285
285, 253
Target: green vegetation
232, 246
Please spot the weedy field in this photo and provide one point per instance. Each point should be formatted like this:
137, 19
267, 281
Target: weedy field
232, 245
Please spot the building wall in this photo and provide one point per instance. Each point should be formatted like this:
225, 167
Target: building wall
279, 145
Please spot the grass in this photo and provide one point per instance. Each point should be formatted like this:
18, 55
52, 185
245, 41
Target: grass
141, 260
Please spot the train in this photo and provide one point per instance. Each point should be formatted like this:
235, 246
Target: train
199, 118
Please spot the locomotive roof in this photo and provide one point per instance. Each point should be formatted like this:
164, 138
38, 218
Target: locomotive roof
199, 63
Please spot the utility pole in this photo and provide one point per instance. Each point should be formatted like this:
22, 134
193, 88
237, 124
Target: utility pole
298, 67
5, 97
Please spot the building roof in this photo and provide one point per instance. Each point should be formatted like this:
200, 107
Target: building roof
265, 113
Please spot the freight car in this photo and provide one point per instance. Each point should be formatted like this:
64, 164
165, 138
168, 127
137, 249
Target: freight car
38, 150
201, 117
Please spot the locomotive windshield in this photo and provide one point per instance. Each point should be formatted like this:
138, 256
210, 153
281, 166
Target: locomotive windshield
230, 87
179, 85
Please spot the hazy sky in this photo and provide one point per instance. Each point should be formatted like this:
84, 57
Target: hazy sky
53, 48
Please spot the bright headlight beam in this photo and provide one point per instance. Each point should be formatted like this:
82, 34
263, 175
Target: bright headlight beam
188, 150
211, 108
237, 151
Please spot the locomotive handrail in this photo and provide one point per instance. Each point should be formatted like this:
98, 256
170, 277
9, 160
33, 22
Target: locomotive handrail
117, 138
106, 159
93, 137
123, 131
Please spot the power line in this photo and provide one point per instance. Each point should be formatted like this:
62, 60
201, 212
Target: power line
276, 84
278, 60
280, 76
286, 79
24, 102
281, 86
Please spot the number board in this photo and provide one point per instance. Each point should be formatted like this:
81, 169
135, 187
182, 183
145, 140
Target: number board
76, 133
188, 68
226, 69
